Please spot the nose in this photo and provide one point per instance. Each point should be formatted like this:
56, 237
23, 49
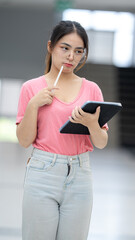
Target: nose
71, 55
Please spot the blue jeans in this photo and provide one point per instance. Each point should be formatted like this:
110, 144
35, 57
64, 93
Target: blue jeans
57, 201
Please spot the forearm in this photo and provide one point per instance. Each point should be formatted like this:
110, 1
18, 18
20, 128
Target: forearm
27, 129
99, 136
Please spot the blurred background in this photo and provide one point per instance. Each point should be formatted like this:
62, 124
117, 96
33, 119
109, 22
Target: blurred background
25, 27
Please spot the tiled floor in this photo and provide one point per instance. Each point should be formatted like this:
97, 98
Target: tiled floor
113, 216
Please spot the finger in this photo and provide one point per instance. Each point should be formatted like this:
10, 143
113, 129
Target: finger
97, 113
79, 113
75, 113
76, 120
75, 116
82, 113
98, 110
48, 93
52, 89
55, 88
49, 99
71, 120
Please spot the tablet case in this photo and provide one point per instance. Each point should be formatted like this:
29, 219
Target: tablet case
107, 111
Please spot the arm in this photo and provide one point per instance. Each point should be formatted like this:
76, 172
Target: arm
27, 129
98, 135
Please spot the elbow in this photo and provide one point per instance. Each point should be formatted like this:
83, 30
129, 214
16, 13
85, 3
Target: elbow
102, 146
102, 143
23, 140
24, 144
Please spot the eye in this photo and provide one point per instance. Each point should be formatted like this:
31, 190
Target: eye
79, 51
64, 48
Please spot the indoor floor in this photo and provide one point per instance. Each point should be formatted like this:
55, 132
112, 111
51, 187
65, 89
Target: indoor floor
113, 216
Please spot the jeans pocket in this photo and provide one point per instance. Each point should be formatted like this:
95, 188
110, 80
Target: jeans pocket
39, 165
85, 166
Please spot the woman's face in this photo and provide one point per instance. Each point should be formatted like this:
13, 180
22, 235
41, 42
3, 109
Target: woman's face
68, 52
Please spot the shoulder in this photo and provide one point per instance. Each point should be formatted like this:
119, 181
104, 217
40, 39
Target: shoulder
91, 84
33, 86
93, 90
34, 82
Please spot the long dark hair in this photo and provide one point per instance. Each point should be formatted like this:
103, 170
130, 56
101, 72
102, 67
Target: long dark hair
61, 29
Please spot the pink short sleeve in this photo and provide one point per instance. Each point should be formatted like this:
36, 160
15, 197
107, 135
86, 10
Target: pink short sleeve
22, 104
98, 96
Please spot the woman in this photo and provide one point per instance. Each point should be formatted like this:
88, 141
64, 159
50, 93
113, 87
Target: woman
57, 199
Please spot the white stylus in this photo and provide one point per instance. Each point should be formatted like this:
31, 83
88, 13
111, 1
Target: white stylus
58, 76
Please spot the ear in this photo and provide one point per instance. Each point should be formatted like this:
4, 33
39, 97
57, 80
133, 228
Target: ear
49, 46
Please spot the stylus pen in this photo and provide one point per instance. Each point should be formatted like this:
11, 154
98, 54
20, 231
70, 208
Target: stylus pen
58, 76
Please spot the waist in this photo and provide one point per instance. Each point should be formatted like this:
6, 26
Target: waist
43, 155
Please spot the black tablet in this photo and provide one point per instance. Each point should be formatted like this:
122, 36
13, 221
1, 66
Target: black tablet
107, 111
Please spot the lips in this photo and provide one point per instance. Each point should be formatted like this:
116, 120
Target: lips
68, 65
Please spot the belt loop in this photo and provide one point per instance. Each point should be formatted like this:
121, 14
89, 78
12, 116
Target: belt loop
80, 160
70, 161
54, 159
32, 151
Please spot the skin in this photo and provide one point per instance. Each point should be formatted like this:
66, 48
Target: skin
67, 52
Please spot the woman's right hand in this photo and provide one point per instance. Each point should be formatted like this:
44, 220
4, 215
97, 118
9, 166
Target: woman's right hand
43, 97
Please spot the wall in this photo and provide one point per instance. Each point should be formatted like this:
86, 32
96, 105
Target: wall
23, 38
106, 77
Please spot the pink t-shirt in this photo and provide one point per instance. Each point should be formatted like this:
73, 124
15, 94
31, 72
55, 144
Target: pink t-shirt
52, 117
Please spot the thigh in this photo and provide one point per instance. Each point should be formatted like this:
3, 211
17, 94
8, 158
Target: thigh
74, 221
40, 209
76, 208
40, 218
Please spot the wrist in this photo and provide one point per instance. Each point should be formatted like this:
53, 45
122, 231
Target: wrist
33, 105
94, 128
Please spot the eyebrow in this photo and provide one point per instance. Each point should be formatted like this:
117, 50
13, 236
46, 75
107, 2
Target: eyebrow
68, 45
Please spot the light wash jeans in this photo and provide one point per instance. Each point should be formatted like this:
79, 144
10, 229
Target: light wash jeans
57, 200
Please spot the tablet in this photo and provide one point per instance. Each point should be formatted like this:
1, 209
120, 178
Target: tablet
107, 111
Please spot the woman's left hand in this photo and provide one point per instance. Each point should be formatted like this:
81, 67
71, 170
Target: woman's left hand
86, 119
98, 135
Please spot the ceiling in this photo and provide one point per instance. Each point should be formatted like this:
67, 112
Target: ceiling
120, 5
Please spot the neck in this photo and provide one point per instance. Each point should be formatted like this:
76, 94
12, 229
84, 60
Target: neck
53, 73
